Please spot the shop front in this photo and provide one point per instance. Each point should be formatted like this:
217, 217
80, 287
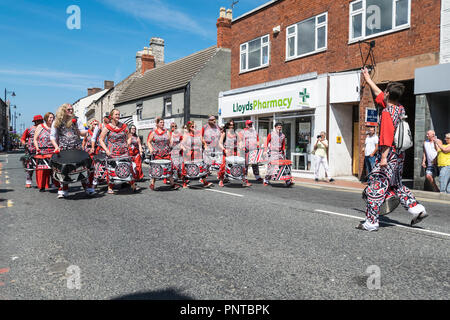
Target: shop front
299, 103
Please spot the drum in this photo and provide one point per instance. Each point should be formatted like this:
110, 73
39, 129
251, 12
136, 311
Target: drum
120, 169
28, 162
280, 170
235, 167
70, 166
100, 167
195, 169
43, 161
160, 169
213, 158
257, 157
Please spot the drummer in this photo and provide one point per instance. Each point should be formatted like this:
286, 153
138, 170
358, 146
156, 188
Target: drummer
44, 149
28, 140
95, 145
250, 140
211, 135
158, 143
192, 146
135, 151
229, 142
176, 153
276, 148
87, 141
116, 134
65, 135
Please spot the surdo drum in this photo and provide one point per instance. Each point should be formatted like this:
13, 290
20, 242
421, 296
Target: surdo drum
100, 167
195, 169
281, 170
120, 169
257, 157
213, 158
71, 166
160, 169
235, 167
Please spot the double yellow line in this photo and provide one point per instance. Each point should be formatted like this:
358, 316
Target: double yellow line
9, 203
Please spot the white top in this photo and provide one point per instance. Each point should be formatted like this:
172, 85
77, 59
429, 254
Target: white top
371, 144
96, 132
54, 132
430, 152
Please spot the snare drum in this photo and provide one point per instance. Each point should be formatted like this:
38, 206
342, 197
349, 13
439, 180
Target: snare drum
100, 167
280, 170
195, 169
235, 167
160, 169
70, 166
120, 169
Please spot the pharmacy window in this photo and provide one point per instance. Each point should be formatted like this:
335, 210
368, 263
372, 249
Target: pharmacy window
307, 37
254, 54
371, 18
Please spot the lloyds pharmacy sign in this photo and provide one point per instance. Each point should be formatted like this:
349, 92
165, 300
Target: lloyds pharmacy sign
267, 101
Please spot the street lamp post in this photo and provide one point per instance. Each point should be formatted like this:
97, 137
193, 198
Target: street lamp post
13, 94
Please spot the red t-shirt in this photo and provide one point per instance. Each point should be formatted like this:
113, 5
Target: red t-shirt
387, 129
25, 135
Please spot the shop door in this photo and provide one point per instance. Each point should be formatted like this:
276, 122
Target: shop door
287, 132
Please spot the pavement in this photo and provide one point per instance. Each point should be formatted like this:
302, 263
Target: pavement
218, 243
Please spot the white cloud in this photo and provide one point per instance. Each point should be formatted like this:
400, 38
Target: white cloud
156, 11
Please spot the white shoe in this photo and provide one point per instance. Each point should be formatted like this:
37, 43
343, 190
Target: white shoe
368, 226
29, 182
62, 194
418, 212
90, 191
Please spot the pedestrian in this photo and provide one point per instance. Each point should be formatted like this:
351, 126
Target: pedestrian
320, 151
135, 150
385, 180
370, 150
443, 162
65, 135
115, 133
30, 149
429, 159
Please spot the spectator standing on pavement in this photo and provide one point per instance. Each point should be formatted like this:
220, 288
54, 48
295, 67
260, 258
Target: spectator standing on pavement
386, 178
370, 150
429, 159
320, 151
443, 161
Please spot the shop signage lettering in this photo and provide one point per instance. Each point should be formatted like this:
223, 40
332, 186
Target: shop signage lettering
258, 105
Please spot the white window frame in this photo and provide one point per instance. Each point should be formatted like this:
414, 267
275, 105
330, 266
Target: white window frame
167, 103
363, 36
294, 35
245, 51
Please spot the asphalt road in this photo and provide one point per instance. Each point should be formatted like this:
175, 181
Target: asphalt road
219, 243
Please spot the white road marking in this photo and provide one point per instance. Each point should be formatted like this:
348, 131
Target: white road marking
387, 223
229, 193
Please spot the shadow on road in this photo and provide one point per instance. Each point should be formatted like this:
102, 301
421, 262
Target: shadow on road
165, 294
6, 190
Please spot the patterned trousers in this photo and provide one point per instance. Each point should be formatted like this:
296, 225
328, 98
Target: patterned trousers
384, 183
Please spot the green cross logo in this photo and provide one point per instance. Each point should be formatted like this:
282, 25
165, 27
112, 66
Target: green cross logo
304, 95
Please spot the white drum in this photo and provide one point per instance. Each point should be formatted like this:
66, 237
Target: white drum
213, 158
120, 169
195, 169
235, 167
160, 169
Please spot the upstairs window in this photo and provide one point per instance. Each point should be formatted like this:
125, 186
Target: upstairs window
307, 37
370, 18
139, 111
167, 107
255, 54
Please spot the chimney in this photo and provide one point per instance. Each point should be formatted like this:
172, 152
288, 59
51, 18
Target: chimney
91, 91
157, 47
148, 60
139, 61
224, 28
108, 84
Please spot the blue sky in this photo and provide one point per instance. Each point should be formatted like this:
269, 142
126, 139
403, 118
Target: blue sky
46, 64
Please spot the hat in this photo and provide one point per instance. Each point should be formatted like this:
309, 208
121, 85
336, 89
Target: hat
248, 122
212, 118
38, 118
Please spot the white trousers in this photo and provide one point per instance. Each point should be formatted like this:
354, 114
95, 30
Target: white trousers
321, 161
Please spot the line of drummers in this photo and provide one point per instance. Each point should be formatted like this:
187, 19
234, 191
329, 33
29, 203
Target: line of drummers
111, 153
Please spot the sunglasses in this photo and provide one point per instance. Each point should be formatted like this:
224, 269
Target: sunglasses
69, 109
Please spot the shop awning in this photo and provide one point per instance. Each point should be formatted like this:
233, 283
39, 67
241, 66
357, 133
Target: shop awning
432, 79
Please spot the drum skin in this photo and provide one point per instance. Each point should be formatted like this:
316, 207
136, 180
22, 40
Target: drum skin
120, 169
195, 169
235, 167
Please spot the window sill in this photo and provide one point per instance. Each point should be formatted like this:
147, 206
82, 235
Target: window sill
380, 34
254, 69
306, 55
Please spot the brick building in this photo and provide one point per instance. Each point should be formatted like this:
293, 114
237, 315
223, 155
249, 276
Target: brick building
3, 125
299, 62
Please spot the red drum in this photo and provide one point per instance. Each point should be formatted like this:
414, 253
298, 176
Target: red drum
257, 157
120, 169
280, 170
195, 169
160, 169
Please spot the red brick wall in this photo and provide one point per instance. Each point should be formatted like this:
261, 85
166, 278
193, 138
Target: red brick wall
224, 33
148, 62
422, 37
